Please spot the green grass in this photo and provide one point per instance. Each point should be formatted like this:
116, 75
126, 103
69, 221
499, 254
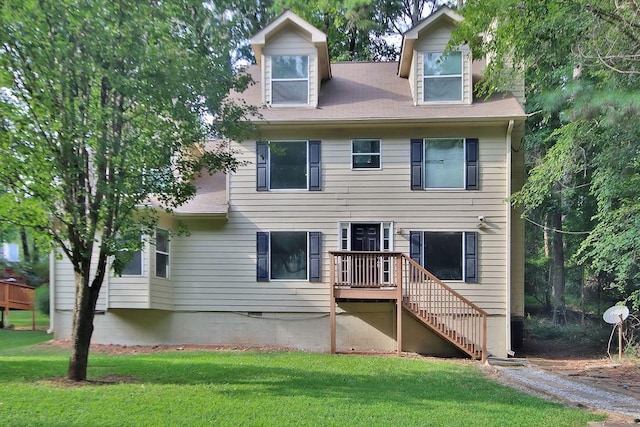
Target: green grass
10, 340
22, 319
261, 388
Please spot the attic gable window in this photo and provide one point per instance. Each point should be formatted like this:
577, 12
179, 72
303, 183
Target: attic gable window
442, 77
289, 79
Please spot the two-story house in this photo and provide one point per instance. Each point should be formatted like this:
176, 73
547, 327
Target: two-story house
370, 214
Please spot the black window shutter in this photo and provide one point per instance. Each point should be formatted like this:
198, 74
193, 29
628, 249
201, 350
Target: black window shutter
315, 256
417, 148
262, 239
471, 257
472, 164
415, 246
262, 176
314, 166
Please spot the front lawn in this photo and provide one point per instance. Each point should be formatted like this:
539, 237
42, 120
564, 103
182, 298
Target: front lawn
198, 388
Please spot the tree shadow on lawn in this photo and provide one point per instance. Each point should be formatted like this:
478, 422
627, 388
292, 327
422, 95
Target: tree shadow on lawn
365, 380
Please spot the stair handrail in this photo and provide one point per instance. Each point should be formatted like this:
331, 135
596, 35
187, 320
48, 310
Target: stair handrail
480, 312
444, 285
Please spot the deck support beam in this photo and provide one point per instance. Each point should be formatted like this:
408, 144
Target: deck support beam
398, 268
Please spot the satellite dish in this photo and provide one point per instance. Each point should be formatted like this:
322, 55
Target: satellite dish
616, 314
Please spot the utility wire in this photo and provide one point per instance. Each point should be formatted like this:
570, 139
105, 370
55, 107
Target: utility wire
555, 230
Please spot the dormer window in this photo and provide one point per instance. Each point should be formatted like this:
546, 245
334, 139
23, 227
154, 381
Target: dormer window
442, 77
289, 79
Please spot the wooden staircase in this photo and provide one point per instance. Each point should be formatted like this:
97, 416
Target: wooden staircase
443, 310
395, 276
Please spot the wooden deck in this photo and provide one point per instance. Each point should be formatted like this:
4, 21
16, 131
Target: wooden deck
16, 296
393, 276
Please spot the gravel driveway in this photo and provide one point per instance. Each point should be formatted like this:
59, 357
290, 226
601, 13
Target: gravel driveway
536, 380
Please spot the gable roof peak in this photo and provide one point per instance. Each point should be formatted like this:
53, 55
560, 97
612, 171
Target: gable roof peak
290, 19
410, 36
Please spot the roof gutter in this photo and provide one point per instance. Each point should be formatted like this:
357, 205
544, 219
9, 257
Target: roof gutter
389, 121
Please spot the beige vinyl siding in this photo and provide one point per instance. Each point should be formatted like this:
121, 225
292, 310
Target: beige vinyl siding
215, 270
161, 289
131, 291
435, 39
358, 196
292, 43
65, 283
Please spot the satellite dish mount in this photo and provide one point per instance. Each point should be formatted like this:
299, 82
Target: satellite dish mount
615, 316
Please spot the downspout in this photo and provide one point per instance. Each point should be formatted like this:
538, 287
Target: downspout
508, 240
52, 291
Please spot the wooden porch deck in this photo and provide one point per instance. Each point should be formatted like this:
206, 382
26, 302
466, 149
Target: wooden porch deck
16, 296
394, 276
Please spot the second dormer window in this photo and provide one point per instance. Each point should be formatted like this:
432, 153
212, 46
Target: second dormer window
442, 77
289, 79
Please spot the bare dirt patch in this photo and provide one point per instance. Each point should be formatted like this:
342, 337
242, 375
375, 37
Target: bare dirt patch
589, 365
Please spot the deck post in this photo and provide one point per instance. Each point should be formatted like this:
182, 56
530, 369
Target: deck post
399, 276
332, 302
6, 304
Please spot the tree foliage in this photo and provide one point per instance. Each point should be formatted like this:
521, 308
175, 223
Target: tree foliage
583, 90
105, 104
357, 30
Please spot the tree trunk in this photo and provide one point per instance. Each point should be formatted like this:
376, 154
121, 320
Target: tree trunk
25, 244
558, 285
82, 328
36, 253
547, 253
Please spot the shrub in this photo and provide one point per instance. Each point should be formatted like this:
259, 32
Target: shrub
42, 299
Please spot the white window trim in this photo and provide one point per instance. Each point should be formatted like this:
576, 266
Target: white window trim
274, 79
425, 77
271, 252
168, 254
379, 154
142, 254
306, 173
464, 165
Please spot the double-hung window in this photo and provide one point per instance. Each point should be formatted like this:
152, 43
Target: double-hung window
288, 165
162, 253
365, 154
447, 255
129, 260
290, 79
288, 255
442, 77
134, 266
444, 163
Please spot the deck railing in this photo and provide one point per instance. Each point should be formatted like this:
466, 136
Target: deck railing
426, 297
17, 296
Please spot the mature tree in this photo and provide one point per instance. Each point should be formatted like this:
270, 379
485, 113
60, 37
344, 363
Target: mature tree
583, 84
104, 104
357, 30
